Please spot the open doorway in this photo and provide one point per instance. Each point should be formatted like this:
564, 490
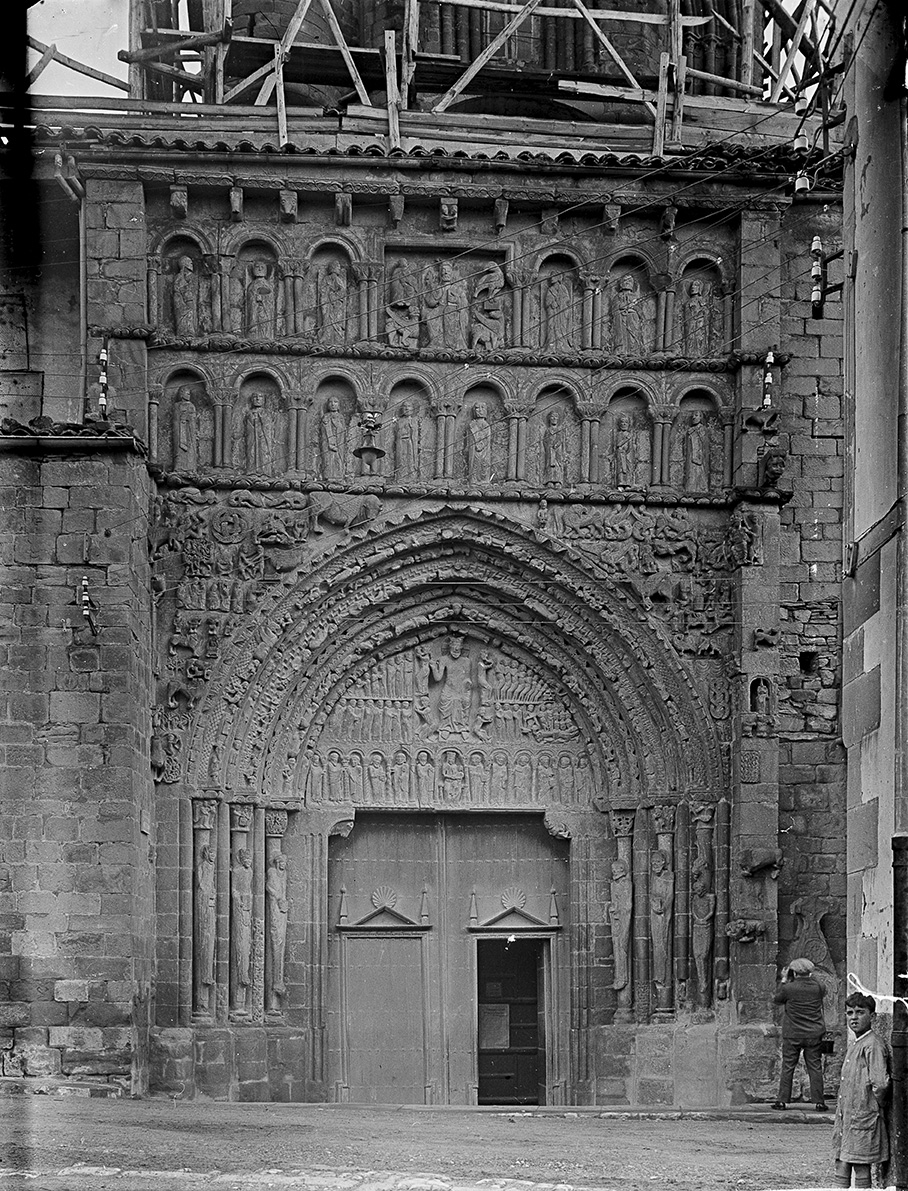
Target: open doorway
511, 1016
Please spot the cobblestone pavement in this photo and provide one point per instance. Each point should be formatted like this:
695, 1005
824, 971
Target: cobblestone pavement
77, 1145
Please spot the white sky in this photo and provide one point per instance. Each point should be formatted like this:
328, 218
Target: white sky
91, 31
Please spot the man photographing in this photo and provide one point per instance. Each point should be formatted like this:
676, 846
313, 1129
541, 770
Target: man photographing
803, 1026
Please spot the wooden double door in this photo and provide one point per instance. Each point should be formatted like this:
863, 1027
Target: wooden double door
449, 965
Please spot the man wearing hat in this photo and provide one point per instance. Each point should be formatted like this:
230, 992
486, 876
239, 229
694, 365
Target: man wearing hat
803, 1027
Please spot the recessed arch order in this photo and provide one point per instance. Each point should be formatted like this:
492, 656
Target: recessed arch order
648, 732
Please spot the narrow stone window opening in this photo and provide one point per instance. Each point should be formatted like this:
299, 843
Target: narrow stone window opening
808, 661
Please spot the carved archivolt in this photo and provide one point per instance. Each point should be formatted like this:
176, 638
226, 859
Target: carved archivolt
278, 689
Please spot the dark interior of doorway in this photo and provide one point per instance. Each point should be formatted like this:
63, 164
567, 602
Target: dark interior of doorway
511, 1037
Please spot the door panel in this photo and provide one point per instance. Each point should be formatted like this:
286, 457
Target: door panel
385, 1019
412, 899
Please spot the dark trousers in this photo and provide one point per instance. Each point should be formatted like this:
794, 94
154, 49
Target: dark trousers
791, 1052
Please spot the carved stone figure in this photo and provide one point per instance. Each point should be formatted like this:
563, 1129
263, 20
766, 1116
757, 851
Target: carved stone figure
333, 441
485, 712
400, 777
185, 298
276, 910
477, 777
259, 435
406, 443
452, 777
558, 303
260, 303
241, 928
335, 777
661, 904
696, 454
697, 318
499, 776
185, 431
333, 294
630, 325
205, 912
620, 911
422, 671
376, 779
446, 308
314, 779
424, 777
554, 451
625, 448
402, 311
453, 672
479, 446
487, 331
703, 912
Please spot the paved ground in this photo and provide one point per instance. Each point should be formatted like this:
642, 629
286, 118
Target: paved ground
56, 1144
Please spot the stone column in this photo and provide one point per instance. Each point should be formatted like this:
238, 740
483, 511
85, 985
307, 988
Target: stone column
367, 274
241, 910
213, 280
155, 393
440, 435
522, 449
513, 420
623, 829
222, 400
153, 300
204, 906
590, 284
227, 322
276, 910
298, 433
669, 342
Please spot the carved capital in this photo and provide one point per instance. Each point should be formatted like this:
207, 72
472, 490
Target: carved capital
664, 819
241, 816
275, 823
204, 813
365, 271
222, 396
295, 266
623, 822
702, 813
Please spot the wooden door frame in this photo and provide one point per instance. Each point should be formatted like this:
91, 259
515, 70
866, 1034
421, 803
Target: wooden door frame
550, 992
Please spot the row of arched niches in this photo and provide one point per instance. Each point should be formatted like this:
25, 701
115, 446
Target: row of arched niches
479, 434
551, 302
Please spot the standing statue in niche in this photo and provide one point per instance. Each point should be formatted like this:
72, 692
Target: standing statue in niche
487, 331
554, 451
333, 441
258, 434
333, 294
422, 672
261, 303
453, 672
185, 431
402, 311
424, 778
446, 309
620, 913
400, 777
205, 912
276, 909
629, 321
703, 913
406, 444
661, 905
479, 446
625, 452
185, 298
558, 302
241, 928
697, 321
696, 454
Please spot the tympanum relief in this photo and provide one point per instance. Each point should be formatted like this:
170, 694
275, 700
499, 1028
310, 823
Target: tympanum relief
449, 722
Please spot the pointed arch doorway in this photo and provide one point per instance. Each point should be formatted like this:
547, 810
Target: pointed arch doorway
449, 965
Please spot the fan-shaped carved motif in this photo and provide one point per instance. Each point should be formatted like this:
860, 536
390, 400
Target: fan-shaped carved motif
384, 898
513, 898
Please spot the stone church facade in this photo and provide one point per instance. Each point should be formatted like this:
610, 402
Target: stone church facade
424, 690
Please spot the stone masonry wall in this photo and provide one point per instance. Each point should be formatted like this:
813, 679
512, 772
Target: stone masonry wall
75, 858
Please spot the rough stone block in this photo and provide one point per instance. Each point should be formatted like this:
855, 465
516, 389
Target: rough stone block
71, 990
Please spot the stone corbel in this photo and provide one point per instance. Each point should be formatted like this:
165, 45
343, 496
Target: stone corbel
500, 215
447, 213
179, 202
396, 207
288, 205
236, 204
343, 209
